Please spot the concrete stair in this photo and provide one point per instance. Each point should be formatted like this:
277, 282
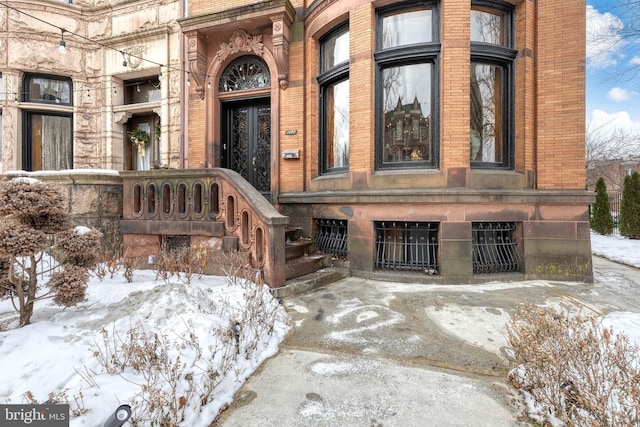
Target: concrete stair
302, 255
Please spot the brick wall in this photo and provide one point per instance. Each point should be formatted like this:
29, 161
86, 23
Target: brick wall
454, 84
560, 83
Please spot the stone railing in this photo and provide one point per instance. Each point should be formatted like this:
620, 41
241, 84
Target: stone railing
212, 206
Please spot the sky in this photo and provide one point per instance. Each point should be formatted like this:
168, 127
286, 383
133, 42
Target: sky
613, 91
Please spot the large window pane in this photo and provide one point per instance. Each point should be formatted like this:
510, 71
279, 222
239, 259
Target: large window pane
407, 28
48, 89
335, 50
338, 125
487, 27
334, 98
407, 110
486, 113
49, 144
142, 91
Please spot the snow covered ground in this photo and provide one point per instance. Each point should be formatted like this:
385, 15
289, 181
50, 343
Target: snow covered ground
61, 351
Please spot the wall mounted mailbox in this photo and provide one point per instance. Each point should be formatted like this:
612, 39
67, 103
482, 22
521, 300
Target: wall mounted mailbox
291, 154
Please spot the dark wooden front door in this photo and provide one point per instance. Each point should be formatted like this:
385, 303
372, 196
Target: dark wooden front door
246, 144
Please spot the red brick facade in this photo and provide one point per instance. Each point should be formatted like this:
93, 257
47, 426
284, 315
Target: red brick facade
542, 190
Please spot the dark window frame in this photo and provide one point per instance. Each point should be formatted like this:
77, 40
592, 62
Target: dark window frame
397, 56
326, 80
27, 140
26, 91
502, 56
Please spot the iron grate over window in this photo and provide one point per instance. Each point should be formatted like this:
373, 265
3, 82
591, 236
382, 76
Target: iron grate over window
494, 247
411, 246
332, 236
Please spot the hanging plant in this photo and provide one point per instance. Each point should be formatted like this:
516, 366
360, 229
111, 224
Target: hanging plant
139, 138
156, 130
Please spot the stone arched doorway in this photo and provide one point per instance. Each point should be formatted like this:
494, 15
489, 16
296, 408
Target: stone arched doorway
244, 92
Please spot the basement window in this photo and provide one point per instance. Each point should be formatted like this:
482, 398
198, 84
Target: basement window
332, 236
409, 246
494, 247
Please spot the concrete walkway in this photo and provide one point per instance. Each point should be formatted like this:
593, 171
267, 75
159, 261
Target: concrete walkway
371, 353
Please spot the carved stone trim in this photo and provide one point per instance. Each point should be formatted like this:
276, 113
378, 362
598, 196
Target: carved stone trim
134, 55
241, 41
121, 117
197, 57
280, 38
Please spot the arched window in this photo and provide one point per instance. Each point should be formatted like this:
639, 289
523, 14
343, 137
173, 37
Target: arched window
246, 72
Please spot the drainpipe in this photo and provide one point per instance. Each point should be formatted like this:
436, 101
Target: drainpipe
184, 95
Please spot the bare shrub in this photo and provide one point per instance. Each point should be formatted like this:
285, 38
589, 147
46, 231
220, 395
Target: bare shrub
170, 385
128, 264
184, 263
76, 403
192, 261
574, 369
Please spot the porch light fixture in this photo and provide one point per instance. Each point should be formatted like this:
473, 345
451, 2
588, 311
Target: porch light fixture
62, 48
124, 60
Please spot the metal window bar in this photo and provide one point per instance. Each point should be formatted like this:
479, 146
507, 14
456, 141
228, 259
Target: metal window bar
494, 247
332, 236
410, 246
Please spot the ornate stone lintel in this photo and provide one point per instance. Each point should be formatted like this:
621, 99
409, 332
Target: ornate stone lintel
241, 41
197, 57
280, 38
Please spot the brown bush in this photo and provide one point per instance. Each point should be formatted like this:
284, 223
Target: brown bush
576, 370
78, 248
69, 285
32, 216
20, 239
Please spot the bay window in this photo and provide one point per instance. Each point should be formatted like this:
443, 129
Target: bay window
334, 101
407, 52
491, 136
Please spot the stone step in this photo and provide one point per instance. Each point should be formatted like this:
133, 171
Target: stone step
306, 264
299, 248
311, 281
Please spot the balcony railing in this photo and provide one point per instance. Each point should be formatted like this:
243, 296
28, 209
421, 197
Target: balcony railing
207, 202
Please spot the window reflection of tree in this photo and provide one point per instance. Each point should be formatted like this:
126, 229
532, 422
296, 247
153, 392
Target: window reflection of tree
486, 85
485, 139
486, 27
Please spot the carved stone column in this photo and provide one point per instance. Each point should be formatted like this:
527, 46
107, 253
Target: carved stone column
280, 39
197, 56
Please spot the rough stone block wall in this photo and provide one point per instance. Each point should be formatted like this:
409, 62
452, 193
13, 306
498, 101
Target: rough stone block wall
93, 200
